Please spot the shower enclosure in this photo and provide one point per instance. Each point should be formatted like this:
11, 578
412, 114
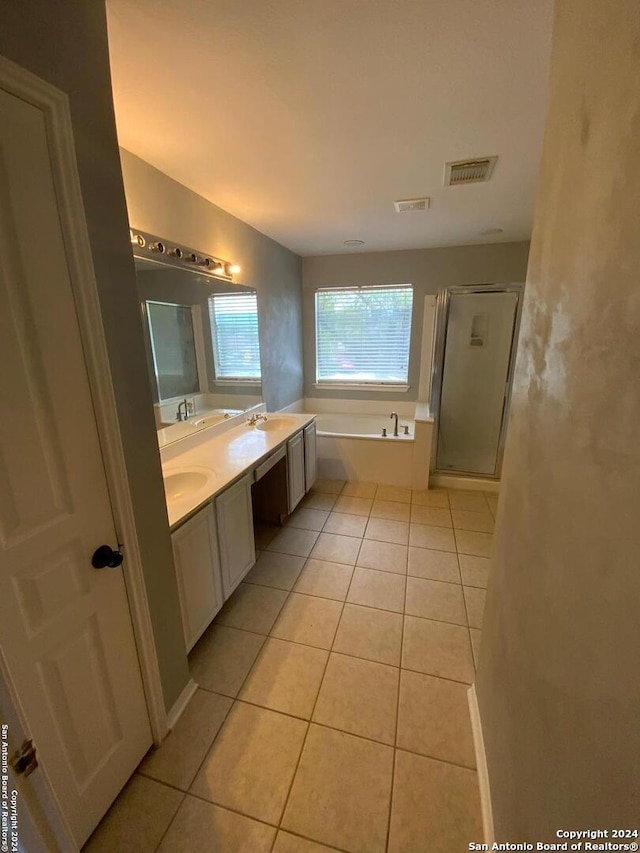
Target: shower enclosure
476, 338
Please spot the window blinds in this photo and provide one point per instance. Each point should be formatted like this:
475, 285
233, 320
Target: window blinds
362, 335
234, 333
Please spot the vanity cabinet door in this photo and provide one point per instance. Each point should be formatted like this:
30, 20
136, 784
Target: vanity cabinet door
195, 551
295, 470
235, 533
310, 465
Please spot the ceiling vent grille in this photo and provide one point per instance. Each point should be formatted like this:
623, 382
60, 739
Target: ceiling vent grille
406, 204
469, 171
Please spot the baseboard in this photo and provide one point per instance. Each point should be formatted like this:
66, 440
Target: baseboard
181, 703
469, 484
481, 764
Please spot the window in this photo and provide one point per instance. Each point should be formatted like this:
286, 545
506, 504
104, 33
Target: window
362, 335
234, 334
174, 350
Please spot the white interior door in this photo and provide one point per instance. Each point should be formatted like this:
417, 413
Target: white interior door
65, 627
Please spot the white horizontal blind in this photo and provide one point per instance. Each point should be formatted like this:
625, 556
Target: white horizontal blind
234, 334
362, 335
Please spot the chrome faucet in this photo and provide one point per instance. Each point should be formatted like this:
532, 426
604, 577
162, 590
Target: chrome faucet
253, 420
395, 426
179, 415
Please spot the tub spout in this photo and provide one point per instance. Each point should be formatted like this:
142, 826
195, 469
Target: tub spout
395, 425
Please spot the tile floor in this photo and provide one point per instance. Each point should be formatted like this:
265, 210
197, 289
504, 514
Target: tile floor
332, 710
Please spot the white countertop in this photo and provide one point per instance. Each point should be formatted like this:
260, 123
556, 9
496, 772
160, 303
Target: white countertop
225, 458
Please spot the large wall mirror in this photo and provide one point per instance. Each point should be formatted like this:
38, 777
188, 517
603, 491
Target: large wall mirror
203, 345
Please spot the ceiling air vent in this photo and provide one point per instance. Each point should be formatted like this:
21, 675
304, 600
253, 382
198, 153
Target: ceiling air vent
469, 171
406, 204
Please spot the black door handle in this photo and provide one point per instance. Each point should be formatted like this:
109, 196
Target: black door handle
104, 557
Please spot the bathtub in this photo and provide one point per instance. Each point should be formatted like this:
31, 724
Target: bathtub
351, 447
363, 426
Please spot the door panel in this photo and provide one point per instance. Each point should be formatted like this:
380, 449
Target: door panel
65, 627
474, 380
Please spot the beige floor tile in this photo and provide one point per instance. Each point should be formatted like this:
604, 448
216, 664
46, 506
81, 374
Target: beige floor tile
430, 497
345, 524
492, 500
436, 565
434, 718
325, 579
286, 677
476, 636
475, 600
359, 490
360, 697
201, 827
330, 487
353, 505
252, 761
308, 620
292, 540
341, 791
475, 544
222, 658
252, 608
474, 570
287, 843
383, 556
276, 570
393, 493
435, 806
177, 759
391, 509
383, 590
137, 820
336, 548
472, 501
480, 522
437, 648
371, 634
434, 515
429, 536
318, 500
436, 600
385, 530
263, 534
308, 519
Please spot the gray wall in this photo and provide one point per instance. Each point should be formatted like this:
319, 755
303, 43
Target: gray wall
161, 206
429, 270
557, 683
66, 43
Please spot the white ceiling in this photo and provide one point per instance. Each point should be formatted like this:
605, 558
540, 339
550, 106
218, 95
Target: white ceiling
307, 118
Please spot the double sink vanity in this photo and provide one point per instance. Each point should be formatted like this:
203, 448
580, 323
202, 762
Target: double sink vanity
217, 483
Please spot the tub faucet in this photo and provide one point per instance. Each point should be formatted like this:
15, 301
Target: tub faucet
179, 415
395, 426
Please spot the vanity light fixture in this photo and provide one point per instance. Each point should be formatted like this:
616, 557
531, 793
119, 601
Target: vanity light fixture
146, 245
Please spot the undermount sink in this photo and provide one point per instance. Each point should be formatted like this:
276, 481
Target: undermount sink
275, 423
179, 484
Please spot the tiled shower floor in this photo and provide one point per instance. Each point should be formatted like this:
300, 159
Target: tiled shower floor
332, 710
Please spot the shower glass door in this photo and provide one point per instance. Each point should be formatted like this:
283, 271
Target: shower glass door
479, 331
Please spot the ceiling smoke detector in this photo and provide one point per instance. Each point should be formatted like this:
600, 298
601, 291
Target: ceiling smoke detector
406, 204
469, 171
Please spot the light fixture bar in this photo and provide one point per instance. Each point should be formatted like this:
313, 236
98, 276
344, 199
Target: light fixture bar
151, 248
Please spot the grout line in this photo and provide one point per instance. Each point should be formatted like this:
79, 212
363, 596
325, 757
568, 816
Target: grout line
170, 824
395, 736
324, 672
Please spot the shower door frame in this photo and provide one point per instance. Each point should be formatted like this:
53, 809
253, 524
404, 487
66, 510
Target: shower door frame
442, 318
